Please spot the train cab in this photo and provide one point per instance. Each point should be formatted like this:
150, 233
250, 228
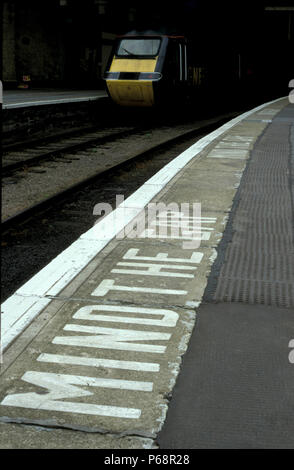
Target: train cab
146, 70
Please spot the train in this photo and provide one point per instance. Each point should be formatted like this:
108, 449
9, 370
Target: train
148, 70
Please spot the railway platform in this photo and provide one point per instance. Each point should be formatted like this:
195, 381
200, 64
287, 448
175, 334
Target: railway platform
13, 99
169, 324
32, 113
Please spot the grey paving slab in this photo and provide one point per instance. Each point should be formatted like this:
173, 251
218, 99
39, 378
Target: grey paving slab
213, 190
98, 368
168, 277
24, 436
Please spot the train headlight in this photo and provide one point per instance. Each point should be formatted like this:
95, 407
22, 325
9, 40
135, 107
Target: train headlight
153, 76
111, 76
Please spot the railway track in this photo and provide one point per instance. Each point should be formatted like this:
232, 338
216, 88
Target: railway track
34, 236
17, 157
51, 142
63, 172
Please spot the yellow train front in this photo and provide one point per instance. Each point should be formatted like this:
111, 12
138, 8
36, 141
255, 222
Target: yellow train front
146, 70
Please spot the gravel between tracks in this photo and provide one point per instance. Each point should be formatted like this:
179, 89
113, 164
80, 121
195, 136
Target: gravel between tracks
33, 243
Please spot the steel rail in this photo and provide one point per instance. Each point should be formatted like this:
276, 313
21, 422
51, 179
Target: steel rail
42, 206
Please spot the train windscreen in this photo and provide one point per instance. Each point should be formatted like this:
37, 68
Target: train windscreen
138, 47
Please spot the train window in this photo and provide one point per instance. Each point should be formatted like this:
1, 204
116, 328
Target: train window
138, 47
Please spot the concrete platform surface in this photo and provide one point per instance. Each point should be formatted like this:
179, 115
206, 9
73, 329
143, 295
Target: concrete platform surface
37, 97
94, 343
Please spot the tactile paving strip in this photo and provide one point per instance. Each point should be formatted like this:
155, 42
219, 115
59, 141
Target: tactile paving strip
255, 262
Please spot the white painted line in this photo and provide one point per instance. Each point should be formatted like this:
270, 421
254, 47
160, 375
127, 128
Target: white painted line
110, 383
167, 317
139, 201
150, 233
35, 401
52, 279
113, 338
62, 269
112, 224
181, 217
95, 362
196, 257
155, 267
140, 272
67, 386
17, 313
189, 226
108, 284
